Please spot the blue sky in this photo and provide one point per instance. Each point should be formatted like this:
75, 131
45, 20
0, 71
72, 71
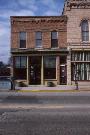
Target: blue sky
22, 8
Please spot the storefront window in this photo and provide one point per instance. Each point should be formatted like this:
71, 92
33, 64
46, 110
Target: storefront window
20, 70
81, 65
49, 68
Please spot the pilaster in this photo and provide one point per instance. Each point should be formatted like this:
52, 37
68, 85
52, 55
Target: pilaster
42, 72
28, 70
69, 68
58, 69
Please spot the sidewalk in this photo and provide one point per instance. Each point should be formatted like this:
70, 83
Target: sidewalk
59, 88
41, 88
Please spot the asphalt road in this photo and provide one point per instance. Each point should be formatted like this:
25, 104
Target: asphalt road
45, 114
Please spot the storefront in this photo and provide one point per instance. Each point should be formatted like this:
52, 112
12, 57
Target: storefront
41, 69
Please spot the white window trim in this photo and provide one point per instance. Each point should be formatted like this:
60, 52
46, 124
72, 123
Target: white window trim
26, 41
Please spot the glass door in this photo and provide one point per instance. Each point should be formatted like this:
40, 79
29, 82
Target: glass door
63, 70
35, 70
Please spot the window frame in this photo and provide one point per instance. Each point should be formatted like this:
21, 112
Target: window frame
85, 31
53, 39
80, 60
20, 61
38, 39
25, 40
20, 72
49, 68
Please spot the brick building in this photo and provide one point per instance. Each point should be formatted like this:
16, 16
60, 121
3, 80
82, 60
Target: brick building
52, 48
39, 49
78, 40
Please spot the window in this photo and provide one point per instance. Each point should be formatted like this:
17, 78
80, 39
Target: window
85, 30
21, 62
22, 39
82, 70
38, 39
80, 65
54, 39
50, 67
80, 56
20, 70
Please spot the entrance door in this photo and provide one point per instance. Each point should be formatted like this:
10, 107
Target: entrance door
35, 70
63, 75
63, 70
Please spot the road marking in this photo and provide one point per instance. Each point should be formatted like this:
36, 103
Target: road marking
31, 106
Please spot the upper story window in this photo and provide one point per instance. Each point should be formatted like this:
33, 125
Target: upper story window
38, 39
85, 30
22, 36
54, 39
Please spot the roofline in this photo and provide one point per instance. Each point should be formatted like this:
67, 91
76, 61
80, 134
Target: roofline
38, 16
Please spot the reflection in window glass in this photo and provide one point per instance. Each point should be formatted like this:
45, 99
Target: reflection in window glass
20, 70
23, 62
81, 65
38, 39
49, 67
22, 39
17, 62
54, 39
85, 30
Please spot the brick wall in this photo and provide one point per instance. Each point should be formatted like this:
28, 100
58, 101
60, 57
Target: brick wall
44, 24
75, 16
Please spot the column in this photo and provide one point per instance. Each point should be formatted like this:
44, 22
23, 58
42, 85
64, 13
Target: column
12, 66
27, 70
69, 68
58, 69
42, 72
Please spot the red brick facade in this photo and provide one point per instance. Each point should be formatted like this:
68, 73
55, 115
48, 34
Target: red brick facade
44, 24
61, 51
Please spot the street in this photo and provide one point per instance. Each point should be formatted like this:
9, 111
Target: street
45, 113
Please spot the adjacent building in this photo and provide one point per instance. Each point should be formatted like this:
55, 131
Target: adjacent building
78, 40
52, 48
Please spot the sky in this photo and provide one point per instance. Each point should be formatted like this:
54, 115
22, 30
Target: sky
23, 8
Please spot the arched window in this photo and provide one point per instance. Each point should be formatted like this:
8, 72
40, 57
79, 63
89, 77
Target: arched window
85, 30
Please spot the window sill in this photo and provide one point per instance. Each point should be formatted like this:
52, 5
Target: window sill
54, 48
50, 79
83, 42
37, 48
23, 48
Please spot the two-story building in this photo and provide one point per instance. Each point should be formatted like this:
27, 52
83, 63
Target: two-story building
78, 40
52, 48
39, 49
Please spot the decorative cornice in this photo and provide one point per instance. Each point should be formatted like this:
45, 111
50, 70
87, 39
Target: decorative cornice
38, 19
78, 3
75, 4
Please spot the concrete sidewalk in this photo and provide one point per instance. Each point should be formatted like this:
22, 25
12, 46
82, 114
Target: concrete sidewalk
41, 88
62, 88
